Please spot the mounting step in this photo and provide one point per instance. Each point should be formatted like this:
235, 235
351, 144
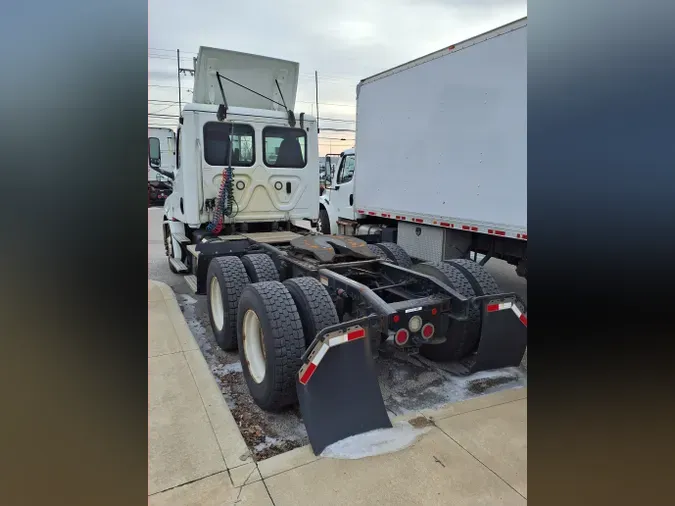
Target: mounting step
191, 280
181, 238
178, 265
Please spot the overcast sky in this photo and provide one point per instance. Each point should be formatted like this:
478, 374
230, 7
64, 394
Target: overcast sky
345, 41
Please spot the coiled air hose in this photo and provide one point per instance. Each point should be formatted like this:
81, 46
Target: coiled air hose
225, 197
223, 202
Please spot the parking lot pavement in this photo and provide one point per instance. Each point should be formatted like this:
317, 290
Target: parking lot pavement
472, 452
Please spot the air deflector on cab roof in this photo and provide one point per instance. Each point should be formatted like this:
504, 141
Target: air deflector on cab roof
258, 73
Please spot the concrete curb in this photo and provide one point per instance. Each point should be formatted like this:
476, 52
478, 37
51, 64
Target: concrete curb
232, 445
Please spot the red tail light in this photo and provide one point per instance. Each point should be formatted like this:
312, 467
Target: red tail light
428, 331
401, 337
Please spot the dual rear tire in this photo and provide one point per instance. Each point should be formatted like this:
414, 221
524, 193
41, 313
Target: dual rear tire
269, 322
391, 252
272, 323
471, 280
276, 322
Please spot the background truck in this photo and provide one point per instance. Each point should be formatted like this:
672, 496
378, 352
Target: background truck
162, 154
440, 166
307, 312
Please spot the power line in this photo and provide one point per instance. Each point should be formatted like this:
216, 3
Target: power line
175, 104
333, 79
298, 101
173, 51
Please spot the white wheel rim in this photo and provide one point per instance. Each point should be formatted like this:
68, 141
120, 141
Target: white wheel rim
254, 348
216, 300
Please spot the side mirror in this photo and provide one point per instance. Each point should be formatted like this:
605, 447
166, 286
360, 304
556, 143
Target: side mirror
154, 153
329, 171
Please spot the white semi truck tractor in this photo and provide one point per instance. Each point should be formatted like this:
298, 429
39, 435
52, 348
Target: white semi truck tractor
305, 312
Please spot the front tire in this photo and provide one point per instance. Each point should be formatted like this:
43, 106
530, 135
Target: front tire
324, 221
168, 247
271, 344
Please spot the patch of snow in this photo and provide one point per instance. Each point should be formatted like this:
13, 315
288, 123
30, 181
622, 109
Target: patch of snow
375, 442
186, 298
269, 441
220, 369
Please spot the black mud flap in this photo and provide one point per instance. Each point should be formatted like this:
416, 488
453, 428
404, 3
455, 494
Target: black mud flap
338, 390
503, 338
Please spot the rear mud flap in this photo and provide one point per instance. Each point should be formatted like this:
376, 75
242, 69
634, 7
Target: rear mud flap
338, 390
503, 338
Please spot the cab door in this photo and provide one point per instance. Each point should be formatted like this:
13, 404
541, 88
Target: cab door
342, 190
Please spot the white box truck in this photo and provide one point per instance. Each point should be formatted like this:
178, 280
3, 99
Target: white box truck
440, 165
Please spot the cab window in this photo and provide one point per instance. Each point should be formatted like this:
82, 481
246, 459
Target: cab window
346, 169
155, 150
217, 138
285, 147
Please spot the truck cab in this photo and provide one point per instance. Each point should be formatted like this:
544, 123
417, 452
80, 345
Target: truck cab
241, 119
337, 200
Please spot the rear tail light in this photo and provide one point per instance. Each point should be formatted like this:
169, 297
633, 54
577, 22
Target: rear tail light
428, 331
401, 337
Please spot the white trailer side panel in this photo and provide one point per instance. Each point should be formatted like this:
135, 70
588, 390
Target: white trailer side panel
446, 136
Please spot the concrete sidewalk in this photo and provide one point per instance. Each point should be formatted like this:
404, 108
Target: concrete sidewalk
475, 451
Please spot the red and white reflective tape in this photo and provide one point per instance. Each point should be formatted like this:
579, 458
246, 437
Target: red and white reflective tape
508, 305
308, 369
349, 336
446, 224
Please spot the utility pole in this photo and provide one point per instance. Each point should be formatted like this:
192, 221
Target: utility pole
183, 71
316, 87
178, 61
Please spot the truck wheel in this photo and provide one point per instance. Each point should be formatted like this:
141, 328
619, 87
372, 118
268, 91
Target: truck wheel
271, 344
260, 267
225, 281
462, 336
481, 280
168, 247
380, 253
323, 224
315, 306
395, 253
